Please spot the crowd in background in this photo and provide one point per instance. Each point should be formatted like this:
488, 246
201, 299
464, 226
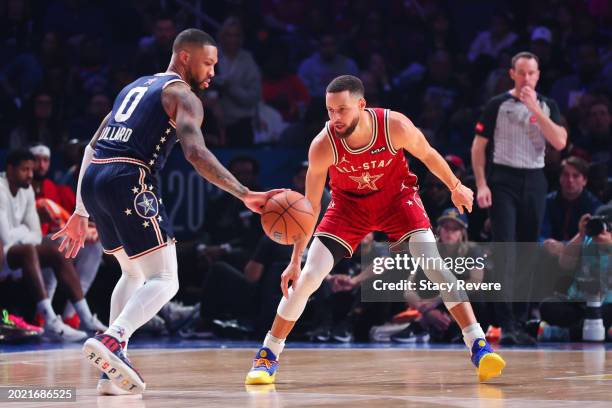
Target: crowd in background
438, 62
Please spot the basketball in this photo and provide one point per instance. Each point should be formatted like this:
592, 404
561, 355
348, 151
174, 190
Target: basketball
287, 217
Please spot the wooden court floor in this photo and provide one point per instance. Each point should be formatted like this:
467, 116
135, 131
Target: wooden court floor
329, 378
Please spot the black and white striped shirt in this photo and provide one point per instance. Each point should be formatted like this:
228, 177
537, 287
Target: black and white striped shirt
517, 138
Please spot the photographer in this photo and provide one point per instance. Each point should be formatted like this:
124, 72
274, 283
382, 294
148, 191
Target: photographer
587, 253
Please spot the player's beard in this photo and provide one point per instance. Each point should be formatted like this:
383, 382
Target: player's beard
349, 130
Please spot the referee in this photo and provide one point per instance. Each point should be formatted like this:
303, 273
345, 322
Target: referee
519, 123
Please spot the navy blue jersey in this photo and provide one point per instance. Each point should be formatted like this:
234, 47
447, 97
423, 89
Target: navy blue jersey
139, 128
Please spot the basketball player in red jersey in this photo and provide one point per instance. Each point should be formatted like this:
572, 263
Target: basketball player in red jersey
372, 190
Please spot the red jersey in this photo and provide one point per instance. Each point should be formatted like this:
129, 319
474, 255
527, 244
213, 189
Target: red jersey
376, 168
372, 190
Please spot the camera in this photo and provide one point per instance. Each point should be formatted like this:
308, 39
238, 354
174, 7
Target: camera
597, 224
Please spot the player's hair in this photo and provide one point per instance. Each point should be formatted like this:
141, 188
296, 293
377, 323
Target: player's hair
17, 156
346, 83
524, 54
578, 163
192, 36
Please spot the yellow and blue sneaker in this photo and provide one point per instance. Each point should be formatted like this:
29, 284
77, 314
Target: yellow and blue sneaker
488, 363
264, 368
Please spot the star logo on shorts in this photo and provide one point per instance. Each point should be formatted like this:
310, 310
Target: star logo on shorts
409, 202
145, 224
167, 132
146, 205
135, 190
366, 180
128, 211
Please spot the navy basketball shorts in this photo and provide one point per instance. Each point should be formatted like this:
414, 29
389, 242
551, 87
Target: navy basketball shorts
125, 203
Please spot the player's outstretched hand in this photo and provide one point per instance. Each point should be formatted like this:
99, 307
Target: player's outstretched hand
74, 234
462, 196
290, 274
256, 200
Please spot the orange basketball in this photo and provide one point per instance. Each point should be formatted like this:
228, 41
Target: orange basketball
287, 217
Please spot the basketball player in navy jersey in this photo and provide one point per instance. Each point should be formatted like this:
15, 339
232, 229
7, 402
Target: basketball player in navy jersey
118, 187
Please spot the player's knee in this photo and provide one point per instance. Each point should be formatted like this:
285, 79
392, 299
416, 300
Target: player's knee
308, 282
132, 273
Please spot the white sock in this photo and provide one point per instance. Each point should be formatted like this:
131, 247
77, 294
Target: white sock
82, 309
275, 344
45, 309
471, 333
118, 332
68, 310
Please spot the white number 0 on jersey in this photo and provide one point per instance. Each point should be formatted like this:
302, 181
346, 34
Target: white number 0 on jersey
124, 112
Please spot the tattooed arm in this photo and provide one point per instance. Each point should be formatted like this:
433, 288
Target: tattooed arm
189, 114
183, 105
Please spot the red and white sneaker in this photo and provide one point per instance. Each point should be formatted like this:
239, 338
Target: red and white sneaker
105, 353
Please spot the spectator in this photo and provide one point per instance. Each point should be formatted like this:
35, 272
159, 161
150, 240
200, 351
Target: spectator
376, 81
597, 136
92, 73
551, 65
238, 82
583, 321
282, 89
25, 251
39, 124
436, 197
457, 166
520, 123
232, 231
568, 90
255, 290
337, 305
320, 68
567, 205
155, 50
440, 35
50, 195
54, 62
85, 125
491, 42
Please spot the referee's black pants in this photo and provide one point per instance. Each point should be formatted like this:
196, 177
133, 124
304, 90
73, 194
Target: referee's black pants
518, 204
